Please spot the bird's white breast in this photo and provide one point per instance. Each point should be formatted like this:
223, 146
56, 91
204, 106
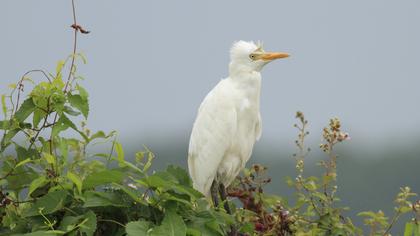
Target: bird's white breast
246, 100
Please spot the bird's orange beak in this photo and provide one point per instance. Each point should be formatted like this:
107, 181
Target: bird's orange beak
269, 56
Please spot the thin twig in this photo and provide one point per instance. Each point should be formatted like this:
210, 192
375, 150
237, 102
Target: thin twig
112, 221
33, 140
394, 219
19, 87
71, 67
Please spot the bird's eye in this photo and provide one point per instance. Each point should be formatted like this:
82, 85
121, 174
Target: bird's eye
252, 56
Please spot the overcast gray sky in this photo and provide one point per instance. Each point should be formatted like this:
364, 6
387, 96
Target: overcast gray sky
150, 63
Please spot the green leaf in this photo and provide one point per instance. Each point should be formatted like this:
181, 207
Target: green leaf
36, 183
158, 180
8, 137
193, 232
137, 228
50, 159
59, 67
130, 192
180, 174
82, 92
167, 181
64, 123
248, 228
120, 154
100, 199
89, 227
103, 177
4, 124
80, 104
49, 203
172, 225
85, 223
76, 180
43, 233
214, 226
3, 105
23, 153
25, 110
99, 134
21, 163
64, 149
38, 115
70, 111
409, 228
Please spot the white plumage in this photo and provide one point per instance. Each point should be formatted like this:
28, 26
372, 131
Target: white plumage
229, 122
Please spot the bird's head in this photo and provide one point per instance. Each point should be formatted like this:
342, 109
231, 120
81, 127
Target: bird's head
249, 57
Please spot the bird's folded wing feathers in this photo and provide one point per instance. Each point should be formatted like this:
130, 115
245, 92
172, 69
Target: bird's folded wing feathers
211, 136
258, 128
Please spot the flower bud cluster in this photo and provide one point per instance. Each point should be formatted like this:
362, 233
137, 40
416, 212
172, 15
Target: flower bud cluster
332, 135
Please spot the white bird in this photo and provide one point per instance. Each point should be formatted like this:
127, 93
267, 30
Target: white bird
228, 122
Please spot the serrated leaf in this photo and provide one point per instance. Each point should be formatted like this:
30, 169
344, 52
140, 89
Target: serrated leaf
76, 180
103, 177
38, 115
101, 199
137, 228
51, 202
25, 110
85, 223
64, 123
82, 92
89, 227
172, 225
36, 183
180, 174
79, 103
130, 192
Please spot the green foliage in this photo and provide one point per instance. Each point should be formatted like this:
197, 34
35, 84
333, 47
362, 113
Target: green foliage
50, 184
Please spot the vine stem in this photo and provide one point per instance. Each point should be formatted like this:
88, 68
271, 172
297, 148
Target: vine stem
112, 221
394, 219
71, 68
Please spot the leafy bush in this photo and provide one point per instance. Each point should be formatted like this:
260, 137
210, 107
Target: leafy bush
51, 184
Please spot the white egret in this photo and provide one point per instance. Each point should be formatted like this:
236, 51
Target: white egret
228, 122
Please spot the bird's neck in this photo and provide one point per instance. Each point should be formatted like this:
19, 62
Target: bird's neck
240, 69
248, 83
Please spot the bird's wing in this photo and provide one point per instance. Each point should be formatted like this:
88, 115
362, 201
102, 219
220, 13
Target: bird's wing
258, 127
211, 135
